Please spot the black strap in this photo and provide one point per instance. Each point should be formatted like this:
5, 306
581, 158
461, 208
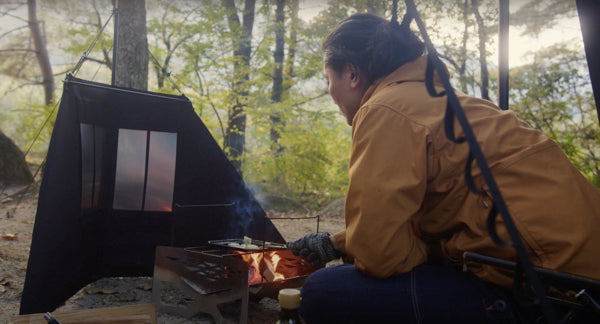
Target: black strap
491, 226
454, 110
449, 126
469, 176
429, 69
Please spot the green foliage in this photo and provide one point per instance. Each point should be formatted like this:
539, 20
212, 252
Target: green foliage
313, 166
553, 94
537, 15
192, 41
34, 123
73, 26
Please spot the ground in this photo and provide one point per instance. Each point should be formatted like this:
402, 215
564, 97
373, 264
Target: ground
18, 206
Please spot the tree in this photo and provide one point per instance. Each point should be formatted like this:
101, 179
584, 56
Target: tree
553, 94
41, 52
292, 46
277, 91
229, 68
462, 30
536, 15
483, 39
87, 29
313, 163
13, 167
241, 38
131, 69
170, 31
22, 49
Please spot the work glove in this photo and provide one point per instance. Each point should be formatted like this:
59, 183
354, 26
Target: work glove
317, 248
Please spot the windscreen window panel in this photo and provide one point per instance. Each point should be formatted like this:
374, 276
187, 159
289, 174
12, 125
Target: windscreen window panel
131, 169
92, 144
161, 171
145, 174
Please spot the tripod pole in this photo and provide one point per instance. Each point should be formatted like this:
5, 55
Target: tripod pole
115, 41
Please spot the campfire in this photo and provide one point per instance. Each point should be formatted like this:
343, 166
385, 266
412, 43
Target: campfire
267, 261
195, 280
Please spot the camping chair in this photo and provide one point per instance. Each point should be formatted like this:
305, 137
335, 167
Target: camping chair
575, 296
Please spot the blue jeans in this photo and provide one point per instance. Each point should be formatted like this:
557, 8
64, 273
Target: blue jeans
427, 294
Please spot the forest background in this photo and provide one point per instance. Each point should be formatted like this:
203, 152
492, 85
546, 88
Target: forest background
253, 71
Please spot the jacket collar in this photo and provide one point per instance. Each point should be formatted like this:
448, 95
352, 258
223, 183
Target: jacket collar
412, 71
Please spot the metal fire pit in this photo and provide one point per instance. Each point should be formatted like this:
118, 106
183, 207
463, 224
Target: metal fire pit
188, 281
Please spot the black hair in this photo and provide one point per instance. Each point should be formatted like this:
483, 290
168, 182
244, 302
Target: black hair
372, 44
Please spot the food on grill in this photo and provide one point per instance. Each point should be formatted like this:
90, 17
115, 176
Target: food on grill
247, 244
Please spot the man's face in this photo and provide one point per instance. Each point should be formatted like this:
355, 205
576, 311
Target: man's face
344, 90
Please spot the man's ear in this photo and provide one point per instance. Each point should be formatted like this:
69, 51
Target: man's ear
354, 74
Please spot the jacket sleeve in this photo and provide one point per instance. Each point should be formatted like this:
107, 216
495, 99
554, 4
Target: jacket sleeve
388, 179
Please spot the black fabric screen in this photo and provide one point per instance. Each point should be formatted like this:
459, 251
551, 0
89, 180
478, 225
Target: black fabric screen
80, 237
589, 17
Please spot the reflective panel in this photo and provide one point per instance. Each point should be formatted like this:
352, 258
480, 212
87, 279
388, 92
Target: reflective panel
161, 171
131, 169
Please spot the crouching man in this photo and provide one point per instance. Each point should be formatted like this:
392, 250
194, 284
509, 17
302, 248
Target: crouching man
409, 214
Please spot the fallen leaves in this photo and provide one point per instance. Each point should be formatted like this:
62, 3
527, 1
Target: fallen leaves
4, 282
10, 237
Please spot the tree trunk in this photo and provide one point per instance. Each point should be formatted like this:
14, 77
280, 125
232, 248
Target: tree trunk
292, 46
41, 52
235, 135
13, 168
484, 86
463, 48
131, 69
277, 90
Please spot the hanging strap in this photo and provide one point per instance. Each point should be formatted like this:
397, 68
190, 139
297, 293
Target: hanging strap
165, 72
91, 47
455, 111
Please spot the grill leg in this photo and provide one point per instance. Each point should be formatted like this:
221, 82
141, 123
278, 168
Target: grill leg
203, 303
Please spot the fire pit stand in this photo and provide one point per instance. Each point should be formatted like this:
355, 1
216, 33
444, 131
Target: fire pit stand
188, 281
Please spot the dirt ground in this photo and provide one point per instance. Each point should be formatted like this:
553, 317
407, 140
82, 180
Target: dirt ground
17, 217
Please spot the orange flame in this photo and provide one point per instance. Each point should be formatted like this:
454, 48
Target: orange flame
275, 258
262, 267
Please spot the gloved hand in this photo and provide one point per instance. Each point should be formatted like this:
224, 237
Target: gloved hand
317, 248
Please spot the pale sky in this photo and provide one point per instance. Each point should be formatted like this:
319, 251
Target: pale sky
566, 29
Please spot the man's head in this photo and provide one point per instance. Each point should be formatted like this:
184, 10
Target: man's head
375, 46
361, 49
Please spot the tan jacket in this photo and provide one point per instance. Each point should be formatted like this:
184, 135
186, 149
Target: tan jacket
407, 186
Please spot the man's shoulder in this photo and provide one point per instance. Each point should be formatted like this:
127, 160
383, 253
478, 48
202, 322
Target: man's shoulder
408, 99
